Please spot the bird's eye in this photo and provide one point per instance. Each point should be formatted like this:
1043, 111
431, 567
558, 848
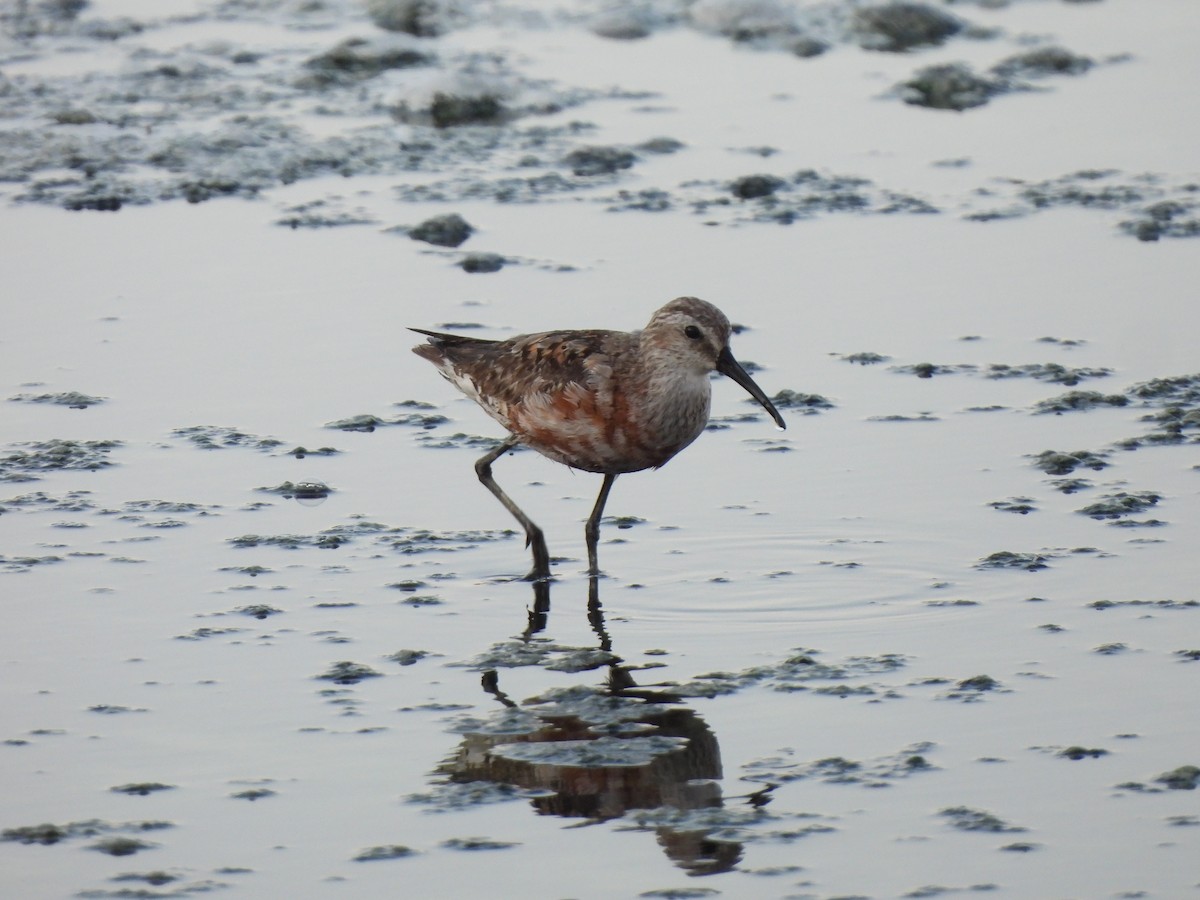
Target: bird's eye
692, 332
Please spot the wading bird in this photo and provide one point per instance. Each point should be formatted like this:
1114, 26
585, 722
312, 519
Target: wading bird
608, 402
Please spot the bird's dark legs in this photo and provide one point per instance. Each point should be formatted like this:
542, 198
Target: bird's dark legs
534, 539
533, 535
591, 531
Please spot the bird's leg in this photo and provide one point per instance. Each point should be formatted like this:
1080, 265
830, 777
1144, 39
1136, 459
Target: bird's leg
533, 535
591, 531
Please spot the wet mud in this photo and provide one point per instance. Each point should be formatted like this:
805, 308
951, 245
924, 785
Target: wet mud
222, 120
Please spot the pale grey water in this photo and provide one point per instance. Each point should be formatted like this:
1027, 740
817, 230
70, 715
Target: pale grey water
851, 539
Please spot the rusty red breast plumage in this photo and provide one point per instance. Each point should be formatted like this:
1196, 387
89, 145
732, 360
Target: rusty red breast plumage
608, 402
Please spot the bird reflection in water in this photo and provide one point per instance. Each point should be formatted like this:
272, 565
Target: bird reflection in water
602, 752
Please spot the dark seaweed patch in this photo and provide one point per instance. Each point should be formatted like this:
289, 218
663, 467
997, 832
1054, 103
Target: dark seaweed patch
25, 563
588, 162
1056, 462
896, 27
71, 501
301, 490
951, 86
161, 507
346, 672
964, 818
322, 214
873, 773
1155, 604
1122, 503
27, 460
201, 634
478, 843
154, 879
1175, 218
928, 370
750, 187
1089, 188
899, 417
323, 541
253, 794
399, 539
1007, 559
865, 358
971, 690
420, 18
450, 795
252, 571
418, 600
482, 263
386, 851
408, 586
797, 400
469, 104
1052, 372
1158, 208
363, 422
1079, 400
1020, 505
73, 399
141, 788
800, 672
1077, 753
447, 230
1185, 778
121, 846
48, 833
1183, 821
407, 657
1177, 390
803, 195
51, 834
216, 437
1173, 425
1043, 61
358, 59
1070, 485
258, 611
469, 441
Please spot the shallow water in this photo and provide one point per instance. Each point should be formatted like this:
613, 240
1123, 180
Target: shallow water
811, 610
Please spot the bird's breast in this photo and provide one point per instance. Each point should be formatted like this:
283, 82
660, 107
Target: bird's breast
625, 428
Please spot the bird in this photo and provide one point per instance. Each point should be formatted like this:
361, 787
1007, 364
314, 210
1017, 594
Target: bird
606, 402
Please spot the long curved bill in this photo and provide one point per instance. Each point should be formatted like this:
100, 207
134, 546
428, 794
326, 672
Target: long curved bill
727, 365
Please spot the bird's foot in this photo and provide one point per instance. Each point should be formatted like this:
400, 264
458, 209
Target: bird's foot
541, 557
